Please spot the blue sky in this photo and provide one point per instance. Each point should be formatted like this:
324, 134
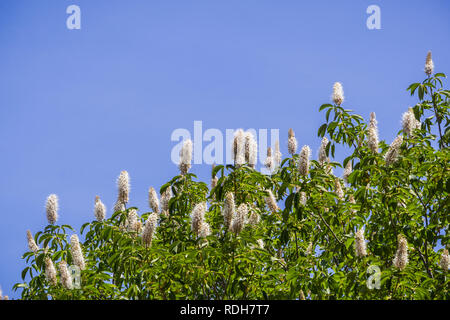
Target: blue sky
79, 106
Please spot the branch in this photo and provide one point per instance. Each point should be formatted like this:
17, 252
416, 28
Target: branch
329, 228
425, 262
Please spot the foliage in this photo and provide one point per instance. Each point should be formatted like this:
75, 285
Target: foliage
308, 247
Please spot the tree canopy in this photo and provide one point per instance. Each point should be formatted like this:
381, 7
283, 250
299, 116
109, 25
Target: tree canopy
379, 232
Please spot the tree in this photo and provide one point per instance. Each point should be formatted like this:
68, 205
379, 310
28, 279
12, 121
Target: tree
233, 241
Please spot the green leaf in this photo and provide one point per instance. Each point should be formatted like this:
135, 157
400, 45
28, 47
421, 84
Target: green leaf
324, 106
24, 272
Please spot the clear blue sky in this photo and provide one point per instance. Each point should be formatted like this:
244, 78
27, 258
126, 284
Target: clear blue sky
79, 106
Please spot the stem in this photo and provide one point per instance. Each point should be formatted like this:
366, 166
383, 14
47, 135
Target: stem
396, 286
229, 275
425, 261
393, 224
438, 118
329, 228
